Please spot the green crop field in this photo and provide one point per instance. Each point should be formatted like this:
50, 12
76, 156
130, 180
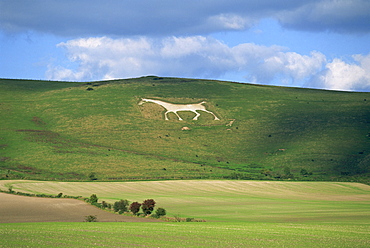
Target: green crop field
238, 213
182, 235
82, 131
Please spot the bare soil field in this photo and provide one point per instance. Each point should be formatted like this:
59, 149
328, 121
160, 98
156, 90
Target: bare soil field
15, 209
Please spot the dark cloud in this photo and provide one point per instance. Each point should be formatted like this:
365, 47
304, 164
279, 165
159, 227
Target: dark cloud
342, 16
123, 18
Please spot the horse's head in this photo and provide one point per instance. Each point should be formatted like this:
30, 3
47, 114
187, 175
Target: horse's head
144, 100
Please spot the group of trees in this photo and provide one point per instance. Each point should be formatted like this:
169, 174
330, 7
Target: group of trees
123, 206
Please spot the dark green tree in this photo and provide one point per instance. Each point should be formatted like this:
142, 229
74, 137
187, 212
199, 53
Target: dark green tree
120, 206
104, 204
160, 212
93, 199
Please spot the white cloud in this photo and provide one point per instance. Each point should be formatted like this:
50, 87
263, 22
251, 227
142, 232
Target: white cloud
193, 56
62, 73
199, 56
340, 75
270, 63
103, 58
230, 22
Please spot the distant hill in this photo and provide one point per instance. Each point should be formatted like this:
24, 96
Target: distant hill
99, 131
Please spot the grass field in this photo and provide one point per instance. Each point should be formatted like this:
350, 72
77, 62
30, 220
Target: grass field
62, 131
238, 213
183, 235
225, 200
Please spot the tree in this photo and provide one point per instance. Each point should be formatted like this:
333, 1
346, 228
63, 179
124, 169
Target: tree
104, 204
93, 199
120, 206
135, 207
160, 212
148, 206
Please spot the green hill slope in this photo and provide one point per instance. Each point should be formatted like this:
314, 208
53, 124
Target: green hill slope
76, 131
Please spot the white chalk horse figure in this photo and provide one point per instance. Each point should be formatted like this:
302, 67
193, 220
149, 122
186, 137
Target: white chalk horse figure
174, 108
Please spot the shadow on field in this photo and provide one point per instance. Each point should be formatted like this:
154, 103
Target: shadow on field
14, 209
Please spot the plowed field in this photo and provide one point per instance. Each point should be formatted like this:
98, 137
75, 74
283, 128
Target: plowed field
15, 209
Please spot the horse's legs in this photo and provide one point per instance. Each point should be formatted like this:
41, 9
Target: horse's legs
197, 115
166, 117
216, 118
180, 119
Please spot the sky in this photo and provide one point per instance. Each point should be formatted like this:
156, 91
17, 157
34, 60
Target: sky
322, 44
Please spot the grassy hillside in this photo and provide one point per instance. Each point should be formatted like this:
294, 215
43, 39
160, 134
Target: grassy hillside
79, 131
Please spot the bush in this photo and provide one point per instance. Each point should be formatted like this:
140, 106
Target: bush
120, 206
266, 172
59, 195
160, 212
154, 216
305, 173
287, 173
104, 204
93, 199
148, 206
135, 207
92, 176
239, 176
91, 218
177, 218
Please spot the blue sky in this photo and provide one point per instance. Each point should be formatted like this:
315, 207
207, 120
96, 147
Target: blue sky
314, 43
